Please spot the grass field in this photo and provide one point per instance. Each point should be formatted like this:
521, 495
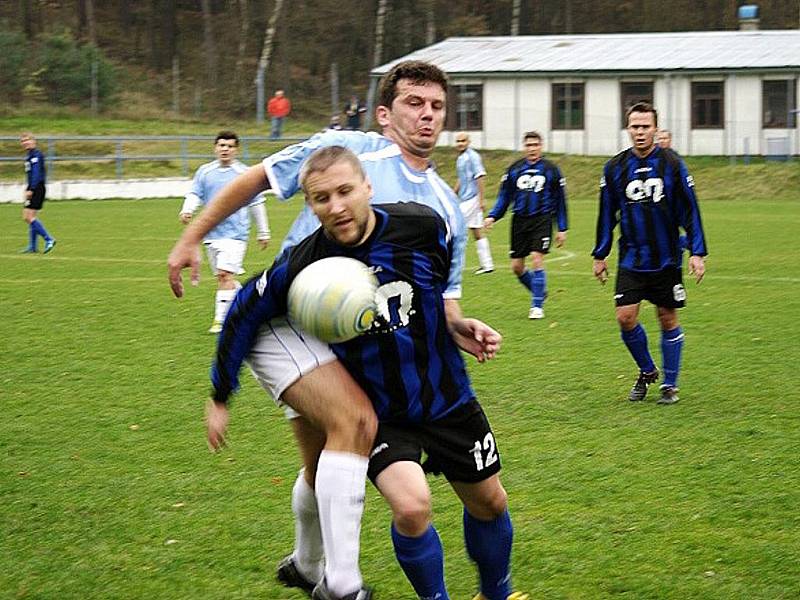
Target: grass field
109, 491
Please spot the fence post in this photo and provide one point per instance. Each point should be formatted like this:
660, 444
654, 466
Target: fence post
119, 159
51, 157
184, 157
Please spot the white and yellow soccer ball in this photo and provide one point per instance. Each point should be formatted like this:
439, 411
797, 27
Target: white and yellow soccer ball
334, 298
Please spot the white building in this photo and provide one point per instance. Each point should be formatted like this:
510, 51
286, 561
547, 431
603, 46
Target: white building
719, 92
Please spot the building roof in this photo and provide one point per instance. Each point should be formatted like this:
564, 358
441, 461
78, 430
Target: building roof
616, 52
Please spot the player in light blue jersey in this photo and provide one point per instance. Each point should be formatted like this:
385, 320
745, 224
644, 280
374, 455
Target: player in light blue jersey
226, 243
470, 190
338, 424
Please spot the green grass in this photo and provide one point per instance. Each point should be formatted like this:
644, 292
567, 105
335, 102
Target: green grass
109, 490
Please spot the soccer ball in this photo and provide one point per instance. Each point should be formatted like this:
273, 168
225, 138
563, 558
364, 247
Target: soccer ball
334, 299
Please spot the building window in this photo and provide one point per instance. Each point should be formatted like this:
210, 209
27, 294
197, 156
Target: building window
780, 104
631, 92
465, 107
567, 110
708, 101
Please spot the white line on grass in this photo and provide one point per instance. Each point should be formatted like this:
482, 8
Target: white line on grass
142, 261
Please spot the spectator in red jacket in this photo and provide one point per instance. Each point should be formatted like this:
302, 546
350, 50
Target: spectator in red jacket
278, 109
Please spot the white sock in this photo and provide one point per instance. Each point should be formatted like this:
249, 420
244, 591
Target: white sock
484, 253
222, 304
308, 552
340, 488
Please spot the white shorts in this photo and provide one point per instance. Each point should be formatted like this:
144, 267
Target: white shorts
226, 255
282, 354
473, 215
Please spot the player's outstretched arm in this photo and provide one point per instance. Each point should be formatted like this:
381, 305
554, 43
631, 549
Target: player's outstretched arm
471, 335
186, 252
216, 424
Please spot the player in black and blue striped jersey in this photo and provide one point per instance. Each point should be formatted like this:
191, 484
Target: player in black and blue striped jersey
409, 364
536, 191
34, 194
649, 192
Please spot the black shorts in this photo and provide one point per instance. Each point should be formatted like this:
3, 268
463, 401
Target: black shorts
530, 234
461, 446
37, 199
663, 288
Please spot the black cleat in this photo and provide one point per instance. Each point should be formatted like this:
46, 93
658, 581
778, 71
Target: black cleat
289, 576
669, 395
321, 592
639, 389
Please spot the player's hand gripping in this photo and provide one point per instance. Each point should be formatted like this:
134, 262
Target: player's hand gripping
600, 270
216, 424
184, 254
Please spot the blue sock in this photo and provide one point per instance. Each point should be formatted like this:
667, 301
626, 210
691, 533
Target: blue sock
671, 348
422, 560
636, 341
41, 230
489, 545
539, 287
31, 236
526, 279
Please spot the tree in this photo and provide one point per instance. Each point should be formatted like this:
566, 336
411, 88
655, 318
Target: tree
209, 46
263, 61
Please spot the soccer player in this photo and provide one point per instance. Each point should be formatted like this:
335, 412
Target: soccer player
470, 189
537, 192
226, 244
34, 195
648, 190
334, 420
664, 138
408, 363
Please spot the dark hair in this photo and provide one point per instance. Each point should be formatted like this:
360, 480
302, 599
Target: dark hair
532, 134
641, 107
227, 135
417, 71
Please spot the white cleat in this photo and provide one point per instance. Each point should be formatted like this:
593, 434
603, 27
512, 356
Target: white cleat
216, 327
536, 313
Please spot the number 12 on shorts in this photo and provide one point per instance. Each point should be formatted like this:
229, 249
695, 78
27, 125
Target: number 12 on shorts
477, 452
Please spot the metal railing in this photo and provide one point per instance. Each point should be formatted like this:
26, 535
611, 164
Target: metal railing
49, 145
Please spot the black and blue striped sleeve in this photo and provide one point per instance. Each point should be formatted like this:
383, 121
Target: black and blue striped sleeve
689, 212
261, 299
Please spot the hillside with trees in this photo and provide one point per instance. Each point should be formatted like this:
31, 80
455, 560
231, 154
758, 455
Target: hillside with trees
198, 57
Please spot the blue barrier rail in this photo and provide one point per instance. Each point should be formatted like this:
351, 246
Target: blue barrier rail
49, 146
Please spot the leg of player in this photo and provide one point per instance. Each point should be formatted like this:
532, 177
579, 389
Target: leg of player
332, 402
29, 216
484, 251
671, 351
538, 285
635, 339
488, 534
416, 542
304, 568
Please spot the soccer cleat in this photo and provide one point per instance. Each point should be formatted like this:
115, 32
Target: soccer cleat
216, 327
49, 245
482, 270
639, 389
511, 596
669, 395
536, 312
28, 251
289, 576
321, 592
